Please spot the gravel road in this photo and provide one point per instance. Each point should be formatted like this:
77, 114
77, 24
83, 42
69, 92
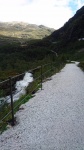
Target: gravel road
54, 118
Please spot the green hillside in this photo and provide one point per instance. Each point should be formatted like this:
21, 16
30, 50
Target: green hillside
18, 54
23, 31
70, 37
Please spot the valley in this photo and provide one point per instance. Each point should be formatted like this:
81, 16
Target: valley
24, 46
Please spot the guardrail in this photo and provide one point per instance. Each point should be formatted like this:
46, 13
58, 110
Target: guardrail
7, 110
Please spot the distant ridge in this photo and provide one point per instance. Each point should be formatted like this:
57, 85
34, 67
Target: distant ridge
24, 30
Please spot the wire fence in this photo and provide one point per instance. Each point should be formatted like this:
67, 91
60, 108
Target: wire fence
7, 88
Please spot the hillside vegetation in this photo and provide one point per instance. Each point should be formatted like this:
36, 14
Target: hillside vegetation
20, 54
71, 32
23, 31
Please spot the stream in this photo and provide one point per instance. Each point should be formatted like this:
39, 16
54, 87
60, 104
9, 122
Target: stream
20, 87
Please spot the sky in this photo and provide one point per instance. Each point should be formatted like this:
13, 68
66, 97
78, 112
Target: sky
51, 13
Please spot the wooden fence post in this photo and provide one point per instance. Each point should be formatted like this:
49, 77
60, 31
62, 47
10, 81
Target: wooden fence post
11, 96
41, 77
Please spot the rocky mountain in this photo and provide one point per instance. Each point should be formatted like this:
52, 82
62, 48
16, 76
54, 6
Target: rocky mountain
23, 30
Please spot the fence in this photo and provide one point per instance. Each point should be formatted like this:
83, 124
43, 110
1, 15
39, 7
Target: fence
7, 87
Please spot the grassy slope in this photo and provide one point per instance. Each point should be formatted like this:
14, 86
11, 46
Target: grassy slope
24, 31
16, 53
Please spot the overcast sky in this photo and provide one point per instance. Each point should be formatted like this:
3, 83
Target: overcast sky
51, 13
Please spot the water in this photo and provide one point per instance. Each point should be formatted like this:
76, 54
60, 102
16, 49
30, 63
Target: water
20, 88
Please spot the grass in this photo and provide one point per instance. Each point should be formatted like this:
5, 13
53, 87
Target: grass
7, 108
22, 33
81, 65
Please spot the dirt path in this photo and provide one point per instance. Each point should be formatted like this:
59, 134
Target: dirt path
54, 118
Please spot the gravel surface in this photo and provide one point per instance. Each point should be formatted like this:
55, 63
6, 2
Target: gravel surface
54, 118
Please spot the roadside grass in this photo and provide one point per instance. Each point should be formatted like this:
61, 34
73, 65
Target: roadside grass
79, 56
6, 108
81, 65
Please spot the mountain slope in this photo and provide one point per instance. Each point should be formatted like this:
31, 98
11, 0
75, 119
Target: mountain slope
20, 54
72, 30
24, 30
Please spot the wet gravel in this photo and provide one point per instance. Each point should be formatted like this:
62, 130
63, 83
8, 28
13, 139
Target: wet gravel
54, 118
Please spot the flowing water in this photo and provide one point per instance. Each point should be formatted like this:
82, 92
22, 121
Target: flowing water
20, 88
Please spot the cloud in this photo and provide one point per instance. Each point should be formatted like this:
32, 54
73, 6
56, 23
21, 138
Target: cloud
52, 13
12, 2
